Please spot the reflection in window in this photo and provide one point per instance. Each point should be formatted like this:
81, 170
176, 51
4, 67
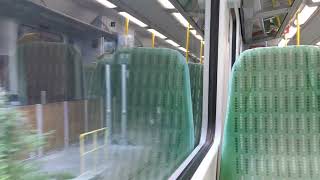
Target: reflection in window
104, 110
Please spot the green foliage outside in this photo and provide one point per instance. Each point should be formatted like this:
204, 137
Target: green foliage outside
17, 141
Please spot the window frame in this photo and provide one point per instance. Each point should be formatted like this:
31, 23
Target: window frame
190, 165
234, 37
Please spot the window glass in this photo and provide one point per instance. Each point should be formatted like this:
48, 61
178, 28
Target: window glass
196, 8
89, 90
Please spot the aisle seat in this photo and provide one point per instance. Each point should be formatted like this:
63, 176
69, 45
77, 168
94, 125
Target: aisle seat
272, 129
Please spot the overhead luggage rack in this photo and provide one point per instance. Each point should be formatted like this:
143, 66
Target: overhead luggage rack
38, 15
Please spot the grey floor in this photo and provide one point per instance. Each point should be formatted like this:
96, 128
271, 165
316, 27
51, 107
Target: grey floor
113, 162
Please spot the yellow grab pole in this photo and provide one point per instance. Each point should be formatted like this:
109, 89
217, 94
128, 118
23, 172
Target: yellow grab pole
187, 43
290, 2
201, 51
278, 21
298, 29
126, 32
95, 144
153, 39
277, 17
106, 143
82, 166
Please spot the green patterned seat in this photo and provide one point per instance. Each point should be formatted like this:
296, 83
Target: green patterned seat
196, 81
159, 110
55, 68
272, 129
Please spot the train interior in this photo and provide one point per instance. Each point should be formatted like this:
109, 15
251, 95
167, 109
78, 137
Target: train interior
159, 89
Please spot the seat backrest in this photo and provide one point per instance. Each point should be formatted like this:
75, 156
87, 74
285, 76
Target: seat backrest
158, 92
272, 129
159, 108
196, 81
52, 67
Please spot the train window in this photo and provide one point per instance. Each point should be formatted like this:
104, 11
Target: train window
210, 88
234, 38
98, 89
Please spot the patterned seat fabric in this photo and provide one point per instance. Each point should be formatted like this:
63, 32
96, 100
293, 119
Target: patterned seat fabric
196, 81
159, 107
55, 68
272, 129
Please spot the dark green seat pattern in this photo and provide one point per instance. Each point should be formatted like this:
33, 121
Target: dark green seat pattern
196, 81
272, 129
159, 108
52, 67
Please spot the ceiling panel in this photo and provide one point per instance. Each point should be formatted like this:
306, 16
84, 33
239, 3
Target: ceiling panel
162, 20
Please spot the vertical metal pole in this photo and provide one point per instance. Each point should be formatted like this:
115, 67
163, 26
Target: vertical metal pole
274, 3
102, 123
126, 31
66, 123
82, 166
102, 46
187, 43
201, 51
114, 113
278, 21
95, 156
108, 100
43, 97
105, 143
124, 102
153, 39
39, 116
86, 116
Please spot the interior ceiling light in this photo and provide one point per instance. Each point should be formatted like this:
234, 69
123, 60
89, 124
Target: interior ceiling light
133, 19
318, 44
156, 33
305, 14
166, 4
106, 3
181, 19
292, 32
172, 43
183, 49
315, 1
199, 37
194, 32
